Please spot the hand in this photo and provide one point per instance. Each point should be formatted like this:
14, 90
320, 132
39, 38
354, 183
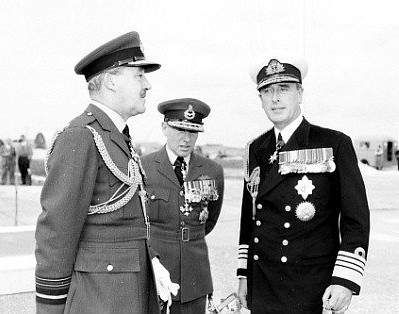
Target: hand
337, 299
242, 292
162, 279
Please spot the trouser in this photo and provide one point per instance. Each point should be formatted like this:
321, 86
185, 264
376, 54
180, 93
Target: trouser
23, 165
196, 306
8, 169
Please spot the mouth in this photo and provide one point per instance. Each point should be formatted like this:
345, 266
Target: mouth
277, 109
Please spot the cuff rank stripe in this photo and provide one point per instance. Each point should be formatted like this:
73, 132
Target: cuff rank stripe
52, 291
243, 256
349, 266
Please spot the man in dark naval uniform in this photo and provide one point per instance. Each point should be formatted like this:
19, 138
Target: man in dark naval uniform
185, 192
304, 227
91, 237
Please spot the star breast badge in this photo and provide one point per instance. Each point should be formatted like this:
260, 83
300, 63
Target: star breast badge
304, 187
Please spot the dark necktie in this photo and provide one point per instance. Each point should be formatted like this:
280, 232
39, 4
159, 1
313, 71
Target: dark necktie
280, 142
279, 145
127, 136
179, 164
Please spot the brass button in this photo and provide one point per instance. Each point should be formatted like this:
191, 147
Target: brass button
259, 206
287, 225
287, 208
110, 267
256, 240
284, 259
258, 223
285, 242
256, 257
152, 197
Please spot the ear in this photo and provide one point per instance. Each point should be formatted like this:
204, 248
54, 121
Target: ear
164, 126
300, 93
109, 81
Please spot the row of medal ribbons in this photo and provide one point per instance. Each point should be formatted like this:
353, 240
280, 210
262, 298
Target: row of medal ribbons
200, 190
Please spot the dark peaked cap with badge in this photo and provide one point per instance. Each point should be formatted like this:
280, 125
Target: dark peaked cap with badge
125, 50
185, 113
278, 67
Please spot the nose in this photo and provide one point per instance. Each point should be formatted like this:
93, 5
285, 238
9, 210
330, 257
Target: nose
146, 84
276, 96
186, 136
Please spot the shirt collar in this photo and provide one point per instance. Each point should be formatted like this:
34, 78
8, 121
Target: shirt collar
114, 116
287, 132
172, 156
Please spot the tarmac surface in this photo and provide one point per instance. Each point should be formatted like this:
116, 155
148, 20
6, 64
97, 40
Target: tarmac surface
380, 291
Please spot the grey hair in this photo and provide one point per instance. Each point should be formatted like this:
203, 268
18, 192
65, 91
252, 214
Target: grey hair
95, 84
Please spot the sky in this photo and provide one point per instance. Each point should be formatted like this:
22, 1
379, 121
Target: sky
205, 49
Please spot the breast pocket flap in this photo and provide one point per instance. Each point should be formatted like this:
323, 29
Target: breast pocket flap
158, 194
107, 260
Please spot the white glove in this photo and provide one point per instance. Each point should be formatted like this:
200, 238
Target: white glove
164, 285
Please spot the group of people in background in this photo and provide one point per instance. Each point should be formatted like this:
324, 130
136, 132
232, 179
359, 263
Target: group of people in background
15, 155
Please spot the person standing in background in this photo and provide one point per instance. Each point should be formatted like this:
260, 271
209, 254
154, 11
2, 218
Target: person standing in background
185, 192
24, 155
7, 153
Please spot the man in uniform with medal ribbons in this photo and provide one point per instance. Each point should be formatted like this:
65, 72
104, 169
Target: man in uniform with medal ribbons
185, 195
92, 235
304, 228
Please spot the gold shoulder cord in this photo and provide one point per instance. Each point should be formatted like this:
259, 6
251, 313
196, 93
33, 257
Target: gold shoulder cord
50, 148
252, 180
246, 157
132, 179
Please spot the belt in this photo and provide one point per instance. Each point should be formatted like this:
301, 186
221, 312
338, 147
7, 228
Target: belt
184, 234
121, 233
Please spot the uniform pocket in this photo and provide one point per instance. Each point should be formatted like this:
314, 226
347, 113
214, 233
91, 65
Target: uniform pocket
100, 259
158, 203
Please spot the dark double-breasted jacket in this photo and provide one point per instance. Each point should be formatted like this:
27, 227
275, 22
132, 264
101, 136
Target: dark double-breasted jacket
98, 263
289, 256
176, 237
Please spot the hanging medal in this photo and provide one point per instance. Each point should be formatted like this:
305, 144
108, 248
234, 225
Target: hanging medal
305, 211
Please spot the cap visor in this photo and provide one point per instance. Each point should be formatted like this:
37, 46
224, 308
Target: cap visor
278, 79
146, 65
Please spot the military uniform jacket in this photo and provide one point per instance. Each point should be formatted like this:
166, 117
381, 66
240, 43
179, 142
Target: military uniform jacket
90, 263
179, 239
289, 262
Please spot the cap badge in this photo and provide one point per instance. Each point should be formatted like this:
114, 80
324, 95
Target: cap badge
189, 114
274, 67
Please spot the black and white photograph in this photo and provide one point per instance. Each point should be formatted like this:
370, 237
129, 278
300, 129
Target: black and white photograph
199, 157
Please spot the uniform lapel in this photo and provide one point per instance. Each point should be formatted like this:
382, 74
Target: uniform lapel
298, 140
165, 168
195, 168
107, 124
